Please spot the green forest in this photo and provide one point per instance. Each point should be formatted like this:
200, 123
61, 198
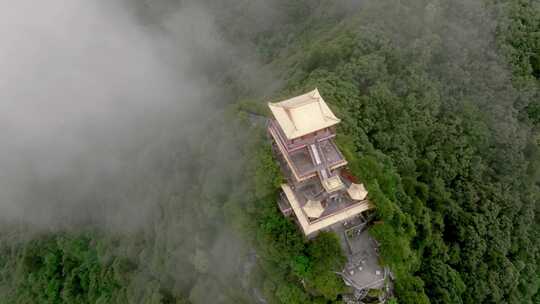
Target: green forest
440, 110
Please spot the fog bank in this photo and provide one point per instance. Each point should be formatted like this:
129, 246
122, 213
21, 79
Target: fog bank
91, 98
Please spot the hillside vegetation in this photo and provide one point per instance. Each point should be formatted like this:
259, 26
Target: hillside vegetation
439, 104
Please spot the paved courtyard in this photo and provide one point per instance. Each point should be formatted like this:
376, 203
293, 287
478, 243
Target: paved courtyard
362, 270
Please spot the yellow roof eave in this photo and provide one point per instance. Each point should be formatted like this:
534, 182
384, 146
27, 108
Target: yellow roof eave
310, 228
303, 114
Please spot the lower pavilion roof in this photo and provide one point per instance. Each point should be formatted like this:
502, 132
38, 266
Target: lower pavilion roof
334, 216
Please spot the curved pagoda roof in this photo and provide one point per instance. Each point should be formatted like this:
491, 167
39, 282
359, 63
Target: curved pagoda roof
303, 114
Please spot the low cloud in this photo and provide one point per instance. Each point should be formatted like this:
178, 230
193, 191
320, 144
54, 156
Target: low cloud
91, 98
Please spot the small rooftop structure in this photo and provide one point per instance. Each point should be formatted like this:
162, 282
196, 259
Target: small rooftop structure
336, 215
313, 209
303, 114
333, 184
357, 191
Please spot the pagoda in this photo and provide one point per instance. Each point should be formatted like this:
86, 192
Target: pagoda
318, 192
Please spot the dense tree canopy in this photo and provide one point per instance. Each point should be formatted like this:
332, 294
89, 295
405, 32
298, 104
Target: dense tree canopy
432, 124
440, 107
65, 269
